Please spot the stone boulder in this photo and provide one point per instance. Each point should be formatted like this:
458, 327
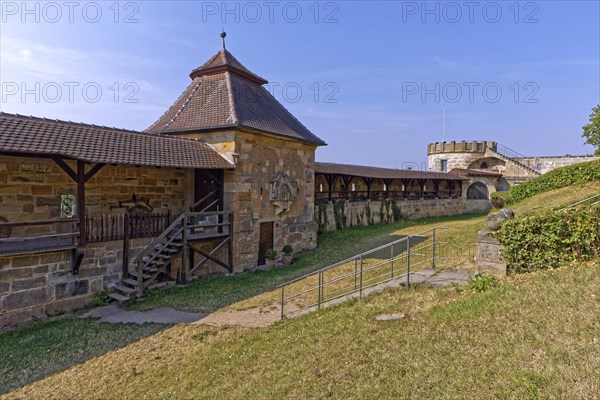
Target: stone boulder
495, 220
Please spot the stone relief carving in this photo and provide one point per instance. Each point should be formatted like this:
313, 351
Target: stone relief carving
283, 190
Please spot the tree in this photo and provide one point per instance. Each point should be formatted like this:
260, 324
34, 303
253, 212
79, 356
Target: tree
591, 132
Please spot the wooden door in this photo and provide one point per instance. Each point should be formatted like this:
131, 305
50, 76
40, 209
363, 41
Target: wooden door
208, 187
265, 241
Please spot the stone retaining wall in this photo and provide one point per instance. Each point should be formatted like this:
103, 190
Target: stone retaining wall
341, 215
38, 285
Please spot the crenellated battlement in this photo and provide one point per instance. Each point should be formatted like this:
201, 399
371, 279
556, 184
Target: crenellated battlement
460, 147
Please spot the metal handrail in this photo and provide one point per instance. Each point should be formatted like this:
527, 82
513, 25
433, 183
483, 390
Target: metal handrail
514, 156
358, 272
420, 234
581, 202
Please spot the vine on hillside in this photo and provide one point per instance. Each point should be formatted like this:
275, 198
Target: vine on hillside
571, 175
322, 217
550, 239
368, 214
382, 212
396, 213
339, 214
388, 215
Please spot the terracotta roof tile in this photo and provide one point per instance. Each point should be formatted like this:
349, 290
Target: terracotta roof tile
377, 172
22, 134
222, 95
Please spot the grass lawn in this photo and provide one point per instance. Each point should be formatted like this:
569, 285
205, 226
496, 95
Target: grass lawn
303, 353
210, 294
535, 336
45, 347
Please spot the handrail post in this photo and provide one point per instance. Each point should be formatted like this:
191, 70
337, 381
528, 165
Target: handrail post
282, 300
433, 249
392, 258
355, 271
140, 277
407, 262
319, 290
361, 277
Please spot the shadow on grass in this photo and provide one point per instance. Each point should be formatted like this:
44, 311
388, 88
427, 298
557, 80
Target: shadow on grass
212, 293
45, 347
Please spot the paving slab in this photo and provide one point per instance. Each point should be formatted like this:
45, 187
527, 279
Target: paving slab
165, 315
447, 278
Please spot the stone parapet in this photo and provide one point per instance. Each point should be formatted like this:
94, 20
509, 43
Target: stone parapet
488, 254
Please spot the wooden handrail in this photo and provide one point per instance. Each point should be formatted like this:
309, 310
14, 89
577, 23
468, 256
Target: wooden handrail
159, 238
37, 237
196, 204
41, 222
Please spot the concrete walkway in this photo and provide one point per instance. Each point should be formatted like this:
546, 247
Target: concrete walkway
428, 277
164, 315
264, 316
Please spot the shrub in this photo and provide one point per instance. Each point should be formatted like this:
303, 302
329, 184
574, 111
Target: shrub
501, 198
565, 176
497, 203
482, 282
271, 254
287, 249
550, 239
101, 298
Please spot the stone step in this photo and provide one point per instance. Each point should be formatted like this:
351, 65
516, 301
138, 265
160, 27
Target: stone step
157, 262
118, 297
130, 282
125, 289
135, 275
169, 251
161, 285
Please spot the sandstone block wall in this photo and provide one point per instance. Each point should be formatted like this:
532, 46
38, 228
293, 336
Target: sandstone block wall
341, 215
458, 154
247, 189
38, 285
547, 164
30, 189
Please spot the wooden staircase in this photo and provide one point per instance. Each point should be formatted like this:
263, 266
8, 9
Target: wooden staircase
179, 240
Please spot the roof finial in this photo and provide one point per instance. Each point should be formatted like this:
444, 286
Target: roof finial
223, 34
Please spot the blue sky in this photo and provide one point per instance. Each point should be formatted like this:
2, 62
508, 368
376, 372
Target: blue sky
370, 78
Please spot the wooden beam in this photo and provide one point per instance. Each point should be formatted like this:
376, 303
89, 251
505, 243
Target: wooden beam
368, 182
93, 171
61, 163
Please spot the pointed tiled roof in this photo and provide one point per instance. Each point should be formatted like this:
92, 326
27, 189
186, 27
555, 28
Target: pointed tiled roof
225, 61
223, 95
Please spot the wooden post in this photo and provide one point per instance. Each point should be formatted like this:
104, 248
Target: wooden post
81, 201
330, 182
185, 252
125, 246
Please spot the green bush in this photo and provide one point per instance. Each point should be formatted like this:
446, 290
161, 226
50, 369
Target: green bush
101, 298
482, 282
504, 198
571, 175
271, 254
287, 249
550, 239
